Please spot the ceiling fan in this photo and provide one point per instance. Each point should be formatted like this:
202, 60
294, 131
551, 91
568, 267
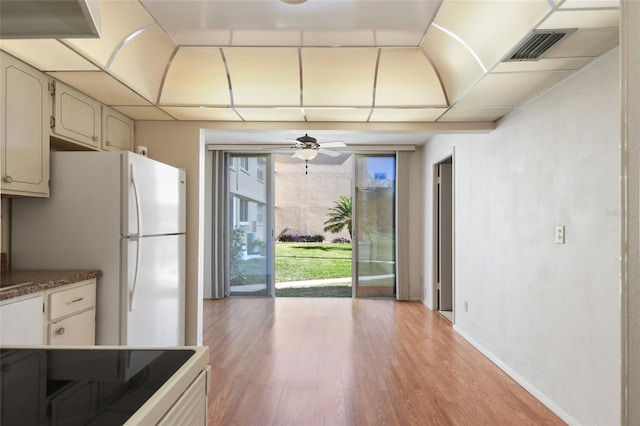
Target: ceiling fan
307, 148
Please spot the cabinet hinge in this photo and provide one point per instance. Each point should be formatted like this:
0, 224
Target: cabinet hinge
52, 121
52, 88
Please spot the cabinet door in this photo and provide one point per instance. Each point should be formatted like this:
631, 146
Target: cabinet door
79, 329
77, 117
24, 134
191, 406
22, 320
23, 388
117, 131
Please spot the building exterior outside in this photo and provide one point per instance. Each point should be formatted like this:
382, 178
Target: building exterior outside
302, 201
248, 199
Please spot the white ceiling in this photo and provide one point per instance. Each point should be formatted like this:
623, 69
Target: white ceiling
397, 70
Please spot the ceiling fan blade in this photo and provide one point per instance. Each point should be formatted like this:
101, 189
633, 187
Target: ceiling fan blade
333, 144
328, 152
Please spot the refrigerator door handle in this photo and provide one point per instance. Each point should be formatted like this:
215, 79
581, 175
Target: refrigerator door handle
132, 292
136, 194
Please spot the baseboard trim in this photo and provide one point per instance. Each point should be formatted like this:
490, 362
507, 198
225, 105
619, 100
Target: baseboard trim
540, 396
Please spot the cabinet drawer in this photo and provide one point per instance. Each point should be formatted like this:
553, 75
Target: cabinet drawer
76, 330
75, 299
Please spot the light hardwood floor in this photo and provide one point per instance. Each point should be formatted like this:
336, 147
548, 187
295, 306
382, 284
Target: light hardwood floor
352, 362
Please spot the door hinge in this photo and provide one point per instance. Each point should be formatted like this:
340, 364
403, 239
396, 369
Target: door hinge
438, 181
439, 286
52, 88
52, 121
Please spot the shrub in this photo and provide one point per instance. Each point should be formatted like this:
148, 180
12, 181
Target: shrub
341, 240
296, 238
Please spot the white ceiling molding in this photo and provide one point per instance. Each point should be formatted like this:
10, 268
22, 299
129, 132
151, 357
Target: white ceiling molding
427, 62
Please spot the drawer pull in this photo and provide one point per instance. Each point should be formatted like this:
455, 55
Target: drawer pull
79, 299
60, 331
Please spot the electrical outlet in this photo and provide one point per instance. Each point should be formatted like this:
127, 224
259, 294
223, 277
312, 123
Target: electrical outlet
466, 306
559, 234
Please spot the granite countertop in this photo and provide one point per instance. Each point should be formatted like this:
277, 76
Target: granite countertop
16, 283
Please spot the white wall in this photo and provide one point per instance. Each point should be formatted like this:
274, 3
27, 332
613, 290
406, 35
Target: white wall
549, 314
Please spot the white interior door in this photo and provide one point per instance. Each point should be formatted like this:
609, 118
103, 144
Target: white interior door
445, 237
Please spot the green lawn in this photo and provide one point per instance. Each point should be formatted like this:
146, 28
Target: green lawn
326, 291
306, 261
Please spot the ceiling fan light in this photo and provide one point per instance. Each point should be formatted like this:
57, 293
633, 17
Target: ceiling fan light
306, 154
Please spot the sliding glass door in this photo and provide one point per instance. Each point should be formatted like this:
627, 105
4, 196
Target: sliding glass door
374, 233
249, 213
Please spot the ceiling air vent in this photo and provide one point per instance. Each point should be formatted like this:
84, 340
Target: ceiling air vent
534, 46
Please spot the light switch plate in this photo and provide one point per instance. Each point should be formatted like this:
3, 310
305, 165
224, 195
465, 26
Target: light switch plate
559, 234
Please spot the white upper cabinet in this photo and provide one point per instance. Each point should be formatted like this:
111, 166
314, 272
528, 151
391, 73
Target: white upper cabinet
117, 131
24, 134
76, 117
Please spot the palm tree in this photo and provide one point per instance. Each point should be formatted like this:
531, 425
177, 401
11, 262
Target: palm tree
339, 216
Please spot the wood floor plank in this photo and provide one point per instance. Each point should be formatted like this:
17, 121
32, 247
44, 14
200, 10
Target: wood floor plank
324, 361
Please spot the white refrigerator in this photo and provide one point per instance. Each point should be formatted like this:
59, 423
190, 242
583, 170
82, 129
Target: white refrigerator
123, 214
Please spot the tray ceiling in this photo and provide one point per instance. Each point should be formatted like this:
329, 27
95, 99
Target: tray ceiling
364, 61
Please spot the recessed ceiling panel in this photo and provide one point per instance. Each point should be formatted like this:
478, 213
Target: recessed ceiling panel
340, 21
586, 4
202, 114
407, 78
474, 114
491, 28
456, 65
270, 114
101, 86
264, 76
421, 115
144, 113
590, 42
244, 37
356, 115
46, 55
510, 89
338, 77
597, 18
141, 63
120, 19
544, 64
196, 76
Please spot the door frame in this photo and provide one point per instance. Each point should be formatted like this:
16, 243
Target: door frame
435, 229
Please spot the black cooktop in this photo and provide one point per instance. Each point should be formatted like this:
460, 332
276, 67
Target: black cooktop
81, 386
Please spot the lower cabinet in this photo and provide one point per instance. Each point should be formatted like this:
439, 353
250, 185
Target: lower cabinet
22, 320
191, 407
71, 314
22, 390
